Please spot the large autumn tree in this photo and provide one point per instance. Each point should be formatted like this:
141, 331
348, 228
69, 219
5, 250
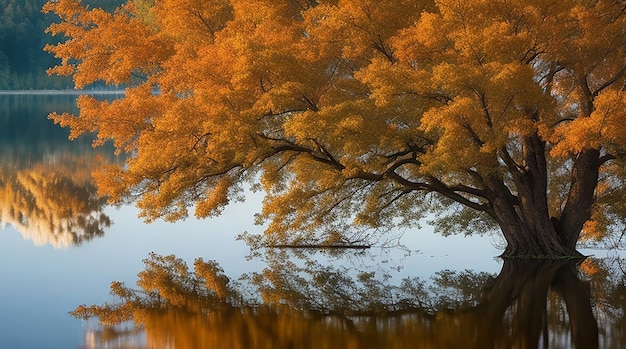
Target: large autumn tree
362, 113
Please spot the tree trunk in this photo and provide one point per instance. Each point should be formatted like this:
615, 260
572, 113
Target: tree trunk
529, 230
533, 240
523, 213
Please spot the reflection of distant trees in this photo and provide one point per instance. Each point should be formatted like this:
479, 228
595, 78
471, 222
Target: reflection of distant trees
289, 304
46, 189
54, 202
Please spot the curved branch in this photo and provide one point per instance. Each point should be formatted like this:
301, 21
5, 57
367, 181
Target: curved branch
510, 163
322, 156
605, 158
609, 82
326, 153
563, 120
453, 194
432, 184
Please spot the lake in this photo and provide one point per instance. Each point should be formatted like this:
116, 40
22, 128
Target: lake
62, 246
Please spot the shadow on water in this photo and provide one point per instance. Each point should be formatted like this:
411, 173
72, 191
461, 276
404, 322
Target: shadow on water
529, 304
46, 189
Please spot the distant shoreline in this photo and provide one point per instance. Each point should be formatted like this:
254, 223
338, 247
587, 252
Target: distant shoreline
62, 92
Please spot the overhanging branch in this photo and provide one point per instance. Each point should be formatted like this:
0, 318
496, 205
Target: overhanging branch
458, 193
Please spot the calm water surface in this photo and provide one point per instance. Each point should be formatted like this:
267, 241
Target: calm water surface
61, 246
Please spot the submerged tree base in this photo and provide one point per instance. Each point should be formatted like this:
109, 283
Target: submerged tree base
573, 256
548, 243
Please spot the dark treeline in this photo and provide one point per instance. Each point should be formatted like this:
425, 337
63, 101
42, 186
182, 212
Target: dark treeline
23, 62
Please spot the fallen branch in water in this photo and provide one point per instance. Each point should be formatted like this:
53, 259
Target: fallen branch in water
324, 246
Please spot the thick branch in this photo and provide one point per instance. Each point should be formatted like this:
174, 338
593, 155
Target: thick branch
580, 198
322, 155
514, 168
456, 193
605, 158
453, 193
326, 153
609, 82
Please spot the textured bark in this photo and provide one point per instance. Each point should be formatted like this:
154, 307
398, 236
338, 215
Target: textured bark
577, 209
524, 215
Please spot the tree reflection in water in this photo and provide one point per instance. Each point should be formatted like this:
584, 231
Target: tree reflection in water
47, 192
529, 304
54, 203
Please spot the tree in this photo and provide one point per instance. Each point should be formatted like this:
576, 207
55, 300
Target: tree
362, 113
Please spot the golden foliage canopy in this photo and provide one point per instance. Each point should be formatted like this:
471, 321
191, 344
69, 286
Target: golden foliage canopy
353, 113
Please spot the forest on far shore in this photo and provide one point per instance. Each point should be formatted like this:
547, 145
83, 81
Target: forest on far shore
23, 62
